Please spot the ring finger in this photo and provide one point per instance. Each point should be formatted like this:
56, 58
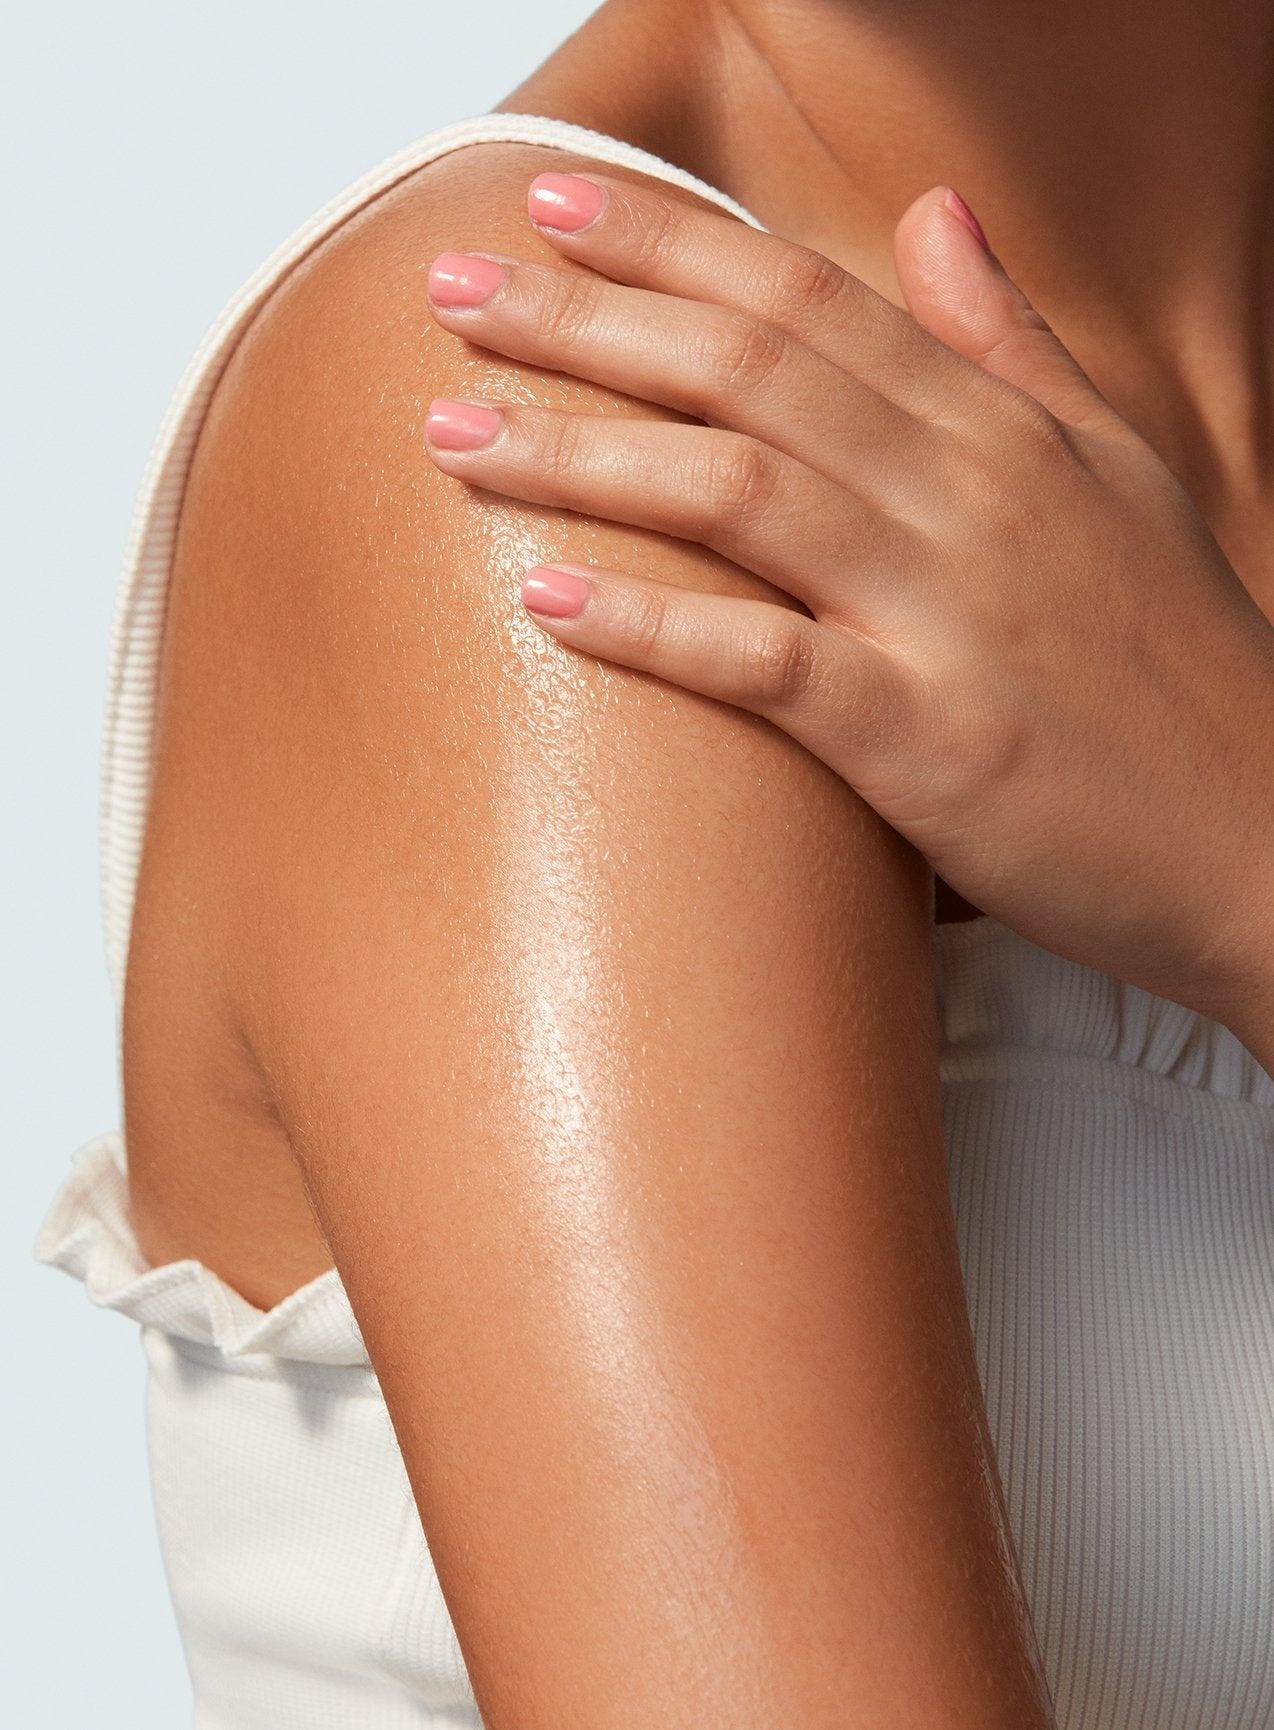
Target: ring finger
741, 499
755, 506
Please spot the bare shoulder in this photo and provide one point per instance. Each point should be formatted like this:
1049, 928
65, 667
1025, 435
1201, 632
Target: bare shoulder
346, 636
312, 507
389, 814
320, 549
343, 360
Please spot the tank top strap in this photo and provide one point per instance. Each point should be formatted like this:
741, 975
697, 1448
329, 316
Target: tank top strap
140, 608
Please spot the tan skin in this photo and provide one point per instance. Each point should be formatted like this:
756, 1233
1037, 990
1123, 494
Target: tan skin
586, 1022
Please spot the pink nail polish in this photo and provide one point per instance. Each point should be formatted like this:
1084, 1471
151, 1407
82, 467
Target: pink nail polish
463, 279
958, 207
554, 591
566, 202
452, 425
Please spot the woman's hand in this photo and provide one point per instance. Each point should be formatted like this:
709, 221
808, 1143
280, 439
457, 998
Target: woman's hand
1018, 640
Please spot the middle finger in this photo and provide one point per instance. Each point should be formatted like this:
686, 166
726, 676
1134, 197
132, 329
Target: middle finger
714, 362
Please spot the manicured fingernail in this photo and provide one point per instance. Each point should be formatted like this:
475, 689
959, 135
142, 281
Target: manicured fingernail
463, 279
461, 426
556, 592
564, 201
958, 207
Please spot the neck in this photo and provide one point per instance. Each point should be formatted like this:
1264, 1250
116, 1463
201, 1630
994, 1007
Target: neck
1120, 156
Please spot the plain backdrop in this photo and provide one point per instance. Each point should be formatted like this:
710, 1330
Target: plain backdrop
156, 152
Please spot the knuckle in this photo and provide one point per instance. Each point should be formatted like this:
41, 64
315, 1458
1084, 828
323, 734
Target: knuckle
742, 356
1009, 345
1031, 320
742, 481
653, 225
778, 663
1045, 434
803, 282
646, 622
555, 445
1005, 479
1054, 440
567, 309
977, 742
988, 750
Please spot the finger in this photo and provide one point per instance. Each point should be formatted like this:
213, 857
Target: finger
957, 290
645, 237
832, 691
716, 363
743, 499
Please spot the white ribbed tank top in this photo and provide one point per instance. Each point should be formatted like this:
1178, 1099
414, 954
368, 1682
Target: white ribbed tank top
1111, 1157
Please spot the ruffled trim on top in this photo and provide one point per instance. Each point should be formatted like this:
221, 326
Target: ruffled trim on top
87, 1233
999, 993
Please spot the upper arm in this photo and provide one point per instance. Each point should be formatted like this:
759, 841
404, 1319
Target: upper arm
407, 746
599, 1015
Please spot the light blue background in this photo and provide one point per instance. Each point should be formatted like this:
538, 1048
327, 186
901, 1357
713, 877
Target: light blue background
156, 152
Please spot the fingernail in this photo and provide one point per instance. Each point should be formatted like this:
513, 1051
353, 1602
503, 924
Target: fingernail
958, 207
461, 426
463, 279
564, 201
554, 591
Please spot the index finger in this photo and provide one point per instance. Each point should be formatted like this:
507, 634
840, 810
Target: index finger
643, 236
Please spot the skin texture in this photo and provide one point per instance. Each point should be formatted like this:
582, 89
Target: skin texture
587, 1022
969, 527
598, 1020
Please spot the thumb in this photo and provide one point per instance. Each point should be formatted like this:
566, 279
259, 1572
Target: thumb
957, 290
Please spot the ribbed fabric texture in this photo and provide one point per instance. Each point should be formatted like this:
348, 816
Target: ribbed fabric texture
1112, 1169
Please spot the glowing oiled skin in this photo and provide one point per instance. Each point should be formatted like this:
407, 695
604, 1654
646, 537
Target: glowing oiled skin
596, 1020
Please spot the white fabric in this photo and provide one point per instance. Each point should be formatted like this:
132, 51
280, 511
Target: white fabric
1112, 1168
